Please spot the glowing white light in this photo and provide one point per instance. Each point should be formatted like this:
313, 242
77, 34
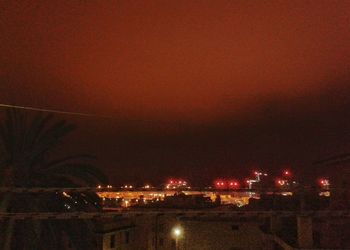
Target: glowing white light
177, 232
66, 195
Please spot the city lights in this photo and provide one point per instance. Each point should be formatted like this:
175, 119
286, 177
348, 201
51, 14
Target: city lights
324, 183
223, 184
286, 172
131, 195
234, 184
176, 184
220, 184
259, 179
281, 182
66, 195
286, 180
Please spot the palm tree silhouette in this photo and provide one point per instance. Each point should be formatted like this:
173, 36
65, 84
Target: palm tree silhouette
26, 160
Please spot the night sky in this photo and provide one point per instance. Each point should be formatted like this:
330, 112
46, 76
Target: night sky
193, 89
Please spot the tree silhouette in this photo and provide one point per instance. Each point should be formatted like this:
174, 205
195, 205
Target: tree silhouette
26, 160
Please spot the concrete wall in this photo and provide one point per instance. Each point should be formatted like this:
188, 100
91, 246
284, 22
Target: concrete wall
212, 235
151, 232
121, 242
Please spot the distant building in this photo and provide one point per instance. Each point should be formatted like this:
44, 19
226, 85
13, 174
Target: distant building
337, 169
182, 200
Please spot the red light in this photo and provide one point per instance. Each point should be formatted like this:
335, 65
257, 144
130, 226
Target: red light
233, 184
220, 184
324, 182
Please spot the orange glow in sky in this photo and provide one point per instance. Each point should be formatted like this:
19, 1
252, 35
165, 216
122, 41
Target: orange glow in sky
170, 60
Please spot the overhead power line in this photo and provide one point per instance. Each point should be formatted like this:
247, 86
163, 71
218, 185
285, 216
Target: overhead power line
336, 159
2, 105
64, 112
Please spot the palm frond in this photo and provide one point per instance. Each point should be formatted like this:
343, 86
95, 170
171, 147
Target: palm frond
25, 149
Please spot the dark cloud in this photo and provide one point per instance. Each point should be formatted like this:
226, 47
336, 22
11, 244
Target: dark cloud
280, 133
195, 89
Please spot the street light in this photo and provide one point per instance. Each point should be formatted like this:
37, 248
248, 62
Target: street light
177, 234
